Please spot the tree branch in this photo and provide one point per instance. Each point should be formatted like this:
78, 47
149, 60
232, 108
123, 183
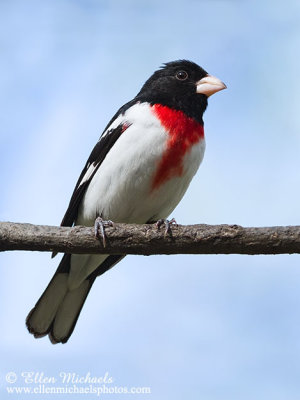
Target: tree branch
146, 239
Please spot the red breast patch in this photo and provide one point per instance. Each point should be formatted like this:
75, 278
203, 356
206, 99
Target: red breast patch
183, 133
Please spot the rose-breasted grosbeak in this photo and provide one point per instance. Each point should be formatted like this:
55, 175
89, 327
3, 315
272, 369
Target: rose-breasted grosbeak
137, 173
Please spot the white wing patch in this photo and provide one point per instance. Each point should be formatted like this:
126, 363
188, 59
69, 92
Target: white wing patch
88, 173
118, 121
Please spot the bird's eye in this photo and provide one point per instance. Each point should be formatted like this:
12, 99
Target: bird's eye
181, 75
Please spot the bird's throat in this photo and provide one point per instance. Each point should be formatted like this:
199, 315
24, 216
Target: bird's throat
183, 133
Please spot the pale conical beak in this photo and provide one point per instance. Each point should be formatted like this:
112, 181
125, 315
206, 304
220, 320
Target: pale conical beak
209, 85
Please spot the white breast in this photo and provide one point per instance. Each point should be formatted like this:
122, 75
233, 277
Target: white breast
120, 189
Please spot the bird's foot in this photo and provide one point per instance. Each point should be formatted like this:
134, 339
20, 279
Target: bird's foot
99, 226
167, 225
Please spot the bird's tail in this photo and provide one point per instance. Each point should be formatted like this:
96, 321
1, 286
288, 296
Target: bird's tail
56, 312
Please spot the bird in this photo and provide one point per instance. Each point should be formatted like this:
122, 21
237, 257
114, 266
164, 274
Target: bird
138, 172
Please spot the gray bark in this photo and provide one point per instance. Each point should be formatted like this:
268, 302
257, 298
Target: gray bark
147, 239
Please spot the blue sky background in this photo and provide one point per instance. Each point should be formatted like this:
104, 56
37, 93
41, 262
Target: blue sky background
205, 327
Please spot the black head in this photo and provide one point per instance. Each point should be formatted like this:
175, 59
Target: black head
176, 85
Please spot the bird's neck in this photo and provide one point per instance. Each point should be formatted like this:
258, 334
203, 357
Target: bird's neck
192, 106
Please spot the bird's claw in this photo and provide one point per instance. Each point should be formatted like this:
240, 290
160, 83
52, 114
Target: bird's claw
99, 226
167, 224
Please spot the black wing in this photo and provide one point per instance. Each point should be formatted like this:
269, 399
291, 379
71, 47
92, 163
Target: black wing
98, 154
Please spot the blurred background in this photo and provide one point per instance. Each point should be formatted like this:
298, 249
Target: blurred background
205, 327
